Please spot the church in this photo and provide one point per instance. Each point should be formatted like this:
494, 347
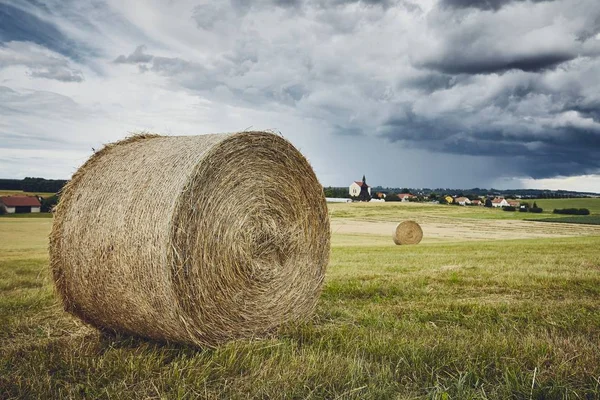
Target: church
361, 190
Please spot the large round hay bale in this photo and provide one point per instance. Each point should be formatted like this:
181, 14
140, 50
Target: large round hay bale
193, 239
408, 232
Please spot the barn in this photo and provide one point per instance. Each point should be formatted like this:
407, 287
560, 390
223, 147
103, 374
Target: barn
20, 204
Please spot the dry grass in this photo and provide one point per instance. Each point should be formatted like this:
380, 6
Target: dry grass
195, 239
501, 319
22, 193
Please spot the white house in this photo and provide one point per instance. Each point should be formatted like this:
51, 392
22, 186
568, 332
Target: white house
500, 202
354, 189
463, 201
20, 204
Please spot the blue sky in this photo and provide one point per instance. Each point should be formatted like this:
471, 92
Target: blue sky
418, 93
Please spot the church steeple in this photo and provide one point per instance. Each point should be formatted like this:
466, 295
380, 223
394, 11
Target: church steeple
364, 191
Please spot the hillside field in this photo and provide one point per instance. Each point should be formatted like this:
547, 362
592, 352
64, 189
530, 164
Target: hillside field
486, 307
593, 204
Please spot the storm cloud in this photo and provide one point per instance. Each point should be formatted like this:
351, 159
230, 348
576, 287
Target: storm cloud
483, 4
509, 87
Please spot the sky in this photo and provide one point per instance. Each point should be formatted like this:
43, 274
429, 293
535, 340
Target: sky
411, 93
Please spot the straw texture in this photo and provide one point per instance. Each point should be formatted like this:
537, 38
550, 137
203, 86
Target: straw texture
193, 239
408, 232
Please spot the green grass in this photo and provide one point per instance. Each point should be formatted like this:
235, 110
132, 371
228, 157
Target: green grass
592, 204
28, 215
581, 219
441, 320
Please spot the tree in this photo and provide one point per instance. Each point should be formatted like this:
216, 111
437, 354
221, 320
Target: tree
488, 203
392, 197
534, 205
48, 203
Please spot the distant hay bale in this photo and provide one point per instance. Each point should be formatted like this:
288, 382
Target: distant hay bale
408, 232
192, 239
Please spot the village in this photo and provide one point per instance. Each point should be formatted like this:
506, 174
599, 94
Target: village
361, 191
358, 191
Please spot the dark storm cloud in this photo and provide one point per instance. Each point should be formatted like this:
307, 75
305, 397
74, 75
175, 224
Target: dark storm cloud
483, 4
457, 64
563, 150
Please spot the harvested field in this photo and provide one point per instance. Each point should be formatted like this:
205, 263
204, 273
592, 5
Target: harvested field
436, 229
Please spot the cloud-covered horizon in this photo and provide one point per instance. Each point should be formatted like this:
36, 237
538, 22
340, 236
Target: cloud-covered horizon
413, 93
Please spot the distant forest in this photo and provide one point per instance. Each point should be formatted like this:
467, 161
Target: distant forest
33, 184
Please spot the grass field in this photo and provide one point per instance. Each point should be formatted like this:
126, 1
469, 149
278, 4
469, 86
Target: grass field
28, 215
492, 319
592, 204
22, 193
379, 211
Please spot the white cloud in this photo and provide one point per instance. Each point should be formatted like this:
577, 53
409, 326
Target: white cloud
39, 61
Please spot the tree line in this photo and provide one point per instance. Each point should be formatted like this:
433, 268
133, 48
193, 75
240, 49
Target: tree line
33, 184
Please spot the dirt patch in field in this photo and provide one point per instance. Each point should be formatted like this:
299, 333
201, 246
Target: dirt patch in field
462, 229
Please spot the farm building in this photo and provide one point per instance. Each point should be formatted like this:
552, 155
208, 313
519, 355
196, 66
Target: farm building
514, 203
463, 201
356, 188
406, 196
449, 199
476, 202
20, 204
500, 202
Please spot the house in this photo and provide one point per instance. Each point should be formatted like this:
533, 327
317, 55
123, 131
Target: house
358, 187
476, 202
449, 199
21, 204
380, 195
500, 202
514, 203
406, 196
463, 201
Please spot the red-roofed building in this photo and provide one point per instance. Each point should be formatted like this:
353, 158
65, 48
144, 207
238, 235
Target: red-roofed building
500, 202
463, 201
406, 196
20, 204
